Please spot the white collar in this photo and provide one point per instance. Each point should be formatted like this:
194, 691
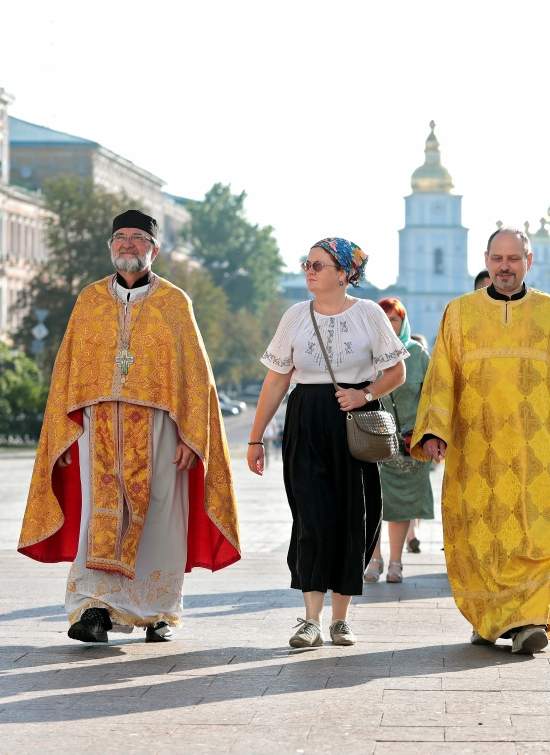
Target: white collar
130, 294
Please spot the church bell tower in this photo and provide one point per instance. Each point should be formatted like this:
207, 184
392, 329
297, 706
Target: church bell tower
433, 258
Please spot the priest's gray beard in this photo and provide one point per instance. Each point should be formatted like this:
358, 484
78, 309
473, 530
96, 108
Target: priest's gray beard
132, 264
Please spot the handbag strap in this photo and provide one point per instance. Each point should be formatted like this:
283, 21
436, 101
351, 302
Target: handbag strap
322, 345
397, 422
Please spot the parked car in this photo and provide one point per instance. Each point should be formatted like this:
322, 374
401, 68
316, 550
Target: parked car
229, 410
241, 405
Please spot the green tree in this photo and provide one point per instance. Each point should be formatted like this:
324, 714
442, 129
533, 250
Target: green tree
77, 256
244, 346
233, 288
242, 258
209, 303
234, 340
22, 396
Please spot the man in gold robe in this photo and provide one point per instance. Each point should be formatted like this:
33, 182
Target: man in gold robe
485, 409
131, 481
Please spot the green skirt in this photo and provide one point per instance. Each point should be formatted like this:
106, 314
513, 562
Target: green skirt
406, 490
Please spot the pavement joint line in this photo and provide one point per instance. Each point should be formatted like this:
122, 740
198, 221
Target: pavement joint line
20, 657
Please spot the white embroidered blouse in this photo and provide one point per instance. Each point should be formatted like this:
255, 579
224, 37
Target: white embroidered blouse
360, 343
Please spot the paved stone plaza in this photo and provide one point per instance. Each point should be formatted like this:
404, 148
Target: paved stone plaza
230, 683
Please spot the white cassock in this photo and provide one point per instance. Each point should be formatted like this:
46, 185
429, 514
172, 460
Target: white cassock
155, 594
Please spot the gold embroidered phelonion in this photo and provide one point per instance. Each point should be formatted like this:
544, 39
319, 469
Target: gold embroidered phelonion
124, 357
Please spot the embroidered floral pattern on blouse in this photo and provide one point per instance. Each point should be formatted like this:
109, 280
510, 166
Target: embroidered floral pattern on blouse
352, 341
390, 356
274, 359
330, 338
336, 348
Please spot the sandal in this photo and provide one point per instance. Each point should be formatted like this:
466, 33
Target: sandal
374, 570
395, 572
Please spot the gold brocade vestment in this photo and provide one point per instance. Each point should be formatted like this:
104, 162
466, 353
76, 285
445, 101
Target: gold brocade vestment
170, 372
487, 395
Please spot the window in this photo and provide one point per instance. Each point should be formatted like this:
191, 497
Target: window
438, 261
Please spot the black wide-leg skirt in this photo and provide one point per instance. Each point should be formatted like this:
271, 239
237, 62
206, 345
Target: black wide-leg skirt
335, 500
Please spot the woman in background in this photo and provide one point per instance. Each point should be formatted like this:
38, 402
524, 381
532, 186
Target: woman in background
406, 489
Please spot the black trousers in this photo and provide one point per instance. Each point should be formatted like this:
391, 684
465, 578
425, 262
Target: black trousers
335, 500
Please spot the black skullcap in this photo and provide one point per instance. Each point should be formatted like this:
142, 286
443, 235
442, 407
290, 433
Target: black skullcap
136, 219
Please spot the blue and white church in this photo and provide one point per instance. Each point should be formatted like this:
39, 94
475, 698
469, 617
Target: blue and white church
433, 249
433, 244
539, 275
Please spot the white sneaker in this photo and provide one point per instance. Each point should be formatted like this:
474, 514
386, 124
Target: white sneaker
530, 639
477, 639
341, 634
308, 635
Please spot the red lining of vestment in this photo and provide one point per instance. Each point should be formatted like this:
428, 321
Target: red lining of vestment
206, 545
63, 544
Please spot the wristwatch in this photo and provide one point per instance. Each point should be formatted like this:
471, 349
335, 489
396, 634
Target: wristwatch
368, 397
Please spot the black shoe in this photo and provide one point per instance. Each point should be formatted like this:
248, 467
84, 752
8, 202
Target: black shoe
413, 545
92, 627
159, 632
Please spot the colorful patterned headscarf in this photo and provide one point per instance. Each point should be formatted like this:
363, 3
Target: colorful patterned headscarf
348, 255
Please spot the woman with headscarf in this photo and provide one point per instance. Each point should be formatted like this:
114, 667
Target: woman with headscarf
335, 500
406, 489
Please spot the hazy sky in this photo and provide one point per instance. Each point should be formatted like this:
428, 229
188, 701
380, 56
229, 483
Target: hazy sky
319, 110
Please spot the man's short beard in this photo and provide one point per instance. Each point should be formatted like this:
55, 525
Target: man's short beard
133, 264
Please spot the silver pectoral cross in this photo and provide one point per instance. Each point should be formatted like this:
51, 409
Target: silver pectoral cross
124, 359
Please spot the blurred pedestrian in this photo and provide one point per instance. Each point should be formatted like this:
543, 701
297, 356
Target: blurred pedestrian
482, 280
270, 437
485, 409
422, 340
334, 499
406, 489
413, 543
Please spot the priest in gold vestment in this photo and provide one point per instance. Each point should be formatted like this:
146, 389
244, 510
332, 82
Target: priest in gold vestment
132, 480
485, 408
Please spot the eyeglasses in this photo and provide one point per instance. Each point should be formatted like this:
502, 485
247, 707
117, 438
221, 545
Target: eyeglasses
315, 266
135, 238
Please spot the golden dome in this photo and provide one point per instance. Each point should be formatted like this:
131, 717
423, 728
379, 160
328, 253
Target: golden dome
432, 176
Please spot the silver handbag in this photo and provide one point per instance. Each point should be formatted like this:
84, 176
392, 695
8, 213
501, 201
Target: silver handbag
371, 435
